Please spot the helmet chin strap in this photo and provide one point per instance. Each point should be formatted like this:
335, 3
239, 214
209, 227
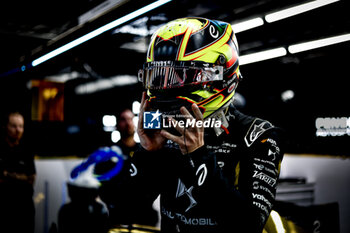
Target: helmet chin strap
221, 116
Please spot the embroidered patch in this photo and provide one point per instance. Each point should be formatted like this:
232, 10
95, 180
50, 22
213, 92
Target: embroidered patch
255, 130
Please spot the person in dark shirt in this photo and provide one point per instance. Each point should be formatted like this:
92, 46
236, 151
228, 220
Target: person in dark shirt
147, 215
17, 176
215, 168
126, 127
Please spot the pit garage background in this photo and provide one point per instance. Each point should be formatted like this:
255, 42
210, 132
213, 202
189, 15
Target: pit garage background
294, 60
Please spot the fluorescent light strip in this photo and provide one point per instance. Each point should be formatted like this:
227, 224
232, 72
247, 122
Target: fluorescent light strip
248, 24
261, 56
297, 10
99, 31
297, 48
278, 15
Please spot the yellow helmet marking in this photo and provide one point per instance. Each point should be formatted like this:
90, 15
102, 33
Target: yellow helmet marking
175, 28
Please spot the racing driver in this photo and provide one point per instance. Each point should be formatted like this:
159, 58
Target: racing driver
210, 177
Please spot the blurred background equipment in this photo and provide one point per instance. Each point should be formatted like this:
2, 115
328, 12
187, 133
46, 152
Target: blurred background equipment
84, 212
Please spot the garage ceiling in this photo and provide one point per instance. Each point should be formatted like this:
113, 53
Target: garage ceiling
31, 28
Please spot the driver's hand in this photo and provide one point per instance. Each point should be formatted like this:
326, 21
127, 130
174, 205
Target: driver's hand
150, 140
191, 138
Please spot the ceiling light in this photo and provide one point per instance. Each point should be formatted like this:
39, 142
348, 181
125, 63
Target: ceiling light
261, 56
115, 136
318, 43
99, 31
287, 95
248, 24
297, 10
136, 107
109, 120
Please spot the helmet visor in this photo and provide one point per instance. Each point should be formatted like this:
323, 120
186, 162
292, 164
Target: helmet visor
170, 74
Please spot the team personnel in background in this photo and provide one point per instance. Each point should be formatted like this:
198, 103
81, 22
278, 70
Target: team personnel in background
17, 176
215, 168
147, 215
127, 129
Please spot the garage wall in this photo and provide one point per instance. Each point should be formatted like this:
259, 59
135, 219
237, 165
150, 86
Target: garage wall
331, 176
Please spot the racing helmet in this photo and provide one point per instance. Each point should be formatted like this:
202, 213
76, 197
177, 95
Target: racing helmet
191, 60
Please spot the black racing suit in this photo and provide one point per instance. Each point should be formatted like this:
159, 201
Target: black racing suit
226, 186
